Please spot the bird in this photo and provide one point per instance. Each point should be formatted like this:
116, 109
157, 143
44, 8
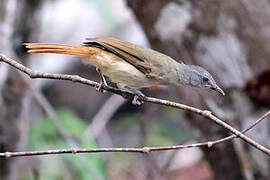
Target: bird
131, 66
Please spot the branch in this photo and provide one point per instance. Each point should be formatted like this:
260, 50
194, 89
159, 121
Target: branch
134, 150
103, 115
125, 94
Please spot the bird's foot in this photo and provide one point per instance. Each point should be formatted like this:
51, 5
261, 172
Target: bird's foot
100, 87
137, 101
137, 94
102, 82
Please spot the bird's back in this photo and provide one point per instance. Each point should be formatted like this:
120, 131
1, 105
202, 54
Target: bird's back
150, 62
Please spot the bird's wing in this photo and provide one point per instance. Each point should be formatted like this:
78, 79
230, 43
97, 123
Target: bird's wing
131, 53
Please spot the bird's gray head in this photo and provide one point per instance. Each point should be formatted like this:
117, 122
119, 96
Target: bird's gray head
199, 77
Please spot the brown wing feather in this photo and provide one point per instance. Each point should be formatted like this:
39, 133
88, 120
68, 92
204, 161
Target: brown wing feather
132, 53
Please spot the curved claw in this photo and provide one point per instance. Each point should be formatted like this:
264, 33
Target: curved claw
99, 88
136, 100
137, 93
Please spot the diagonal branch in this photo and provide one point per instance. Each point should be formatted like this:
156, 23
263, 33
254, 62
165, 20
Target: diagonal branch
125, 94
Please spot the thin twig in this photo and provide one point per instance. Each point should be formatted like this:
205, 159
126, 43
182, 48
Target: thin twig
134, 150
47, 107
102, 117
244, 131
76, 78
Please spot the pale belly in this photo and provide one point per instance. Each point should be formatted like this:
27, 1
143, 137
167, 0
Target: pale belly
119, 71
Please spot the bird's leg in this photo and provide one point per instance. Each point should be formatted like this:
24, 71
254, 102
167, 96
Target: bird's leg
102, 81
137, 93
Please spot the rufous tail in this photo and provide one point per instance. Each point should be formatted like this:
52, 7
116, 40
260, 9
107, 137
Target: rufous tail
76, 50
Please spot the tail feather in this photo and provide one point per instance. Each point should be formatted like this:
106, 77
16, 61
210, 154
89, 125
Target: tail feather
77, 50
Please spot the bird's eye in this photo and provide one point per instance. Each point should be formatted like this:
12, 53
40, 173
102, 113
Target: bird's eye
205, 79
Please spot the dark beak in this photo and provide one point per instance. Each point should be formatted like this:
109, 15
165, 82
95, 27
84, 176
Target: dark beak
218, 89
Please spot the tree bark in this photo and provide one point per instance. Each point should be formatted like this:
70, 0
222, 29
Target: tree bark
230, 39
16, 23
